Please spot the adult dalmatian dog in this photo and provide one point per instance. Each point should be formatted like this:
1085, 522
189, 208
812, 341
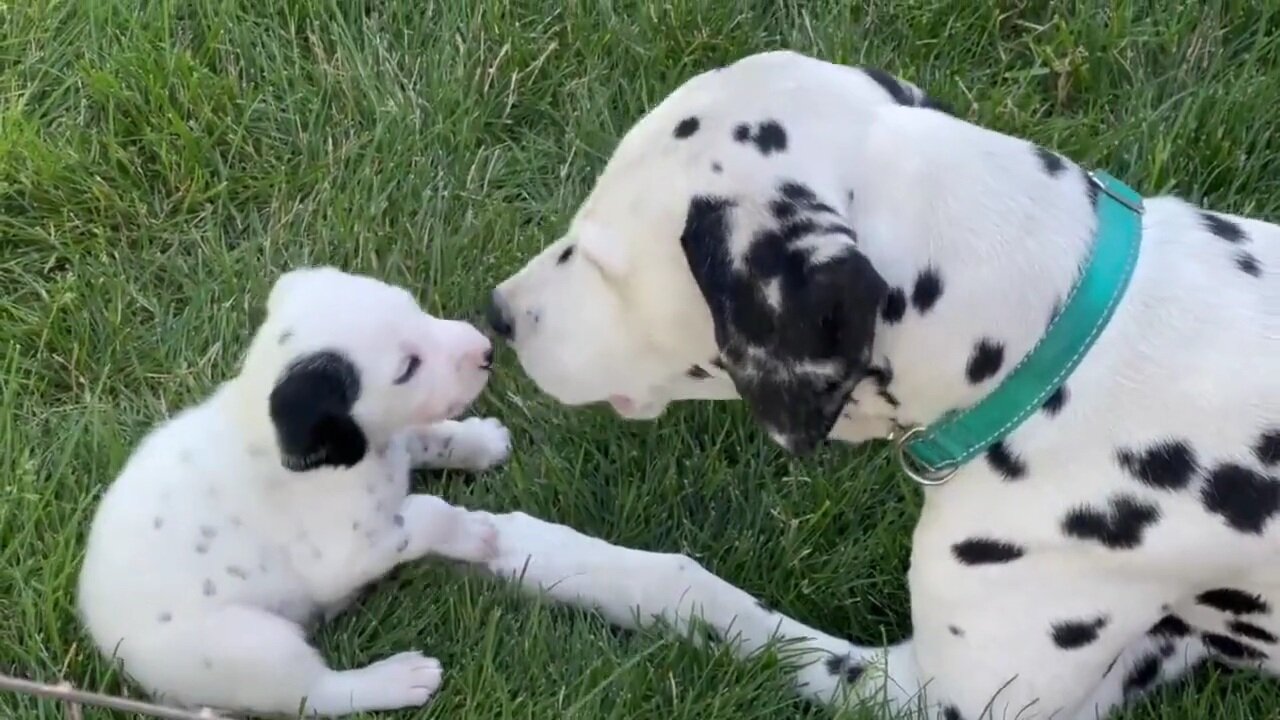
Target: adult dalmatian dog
828, 245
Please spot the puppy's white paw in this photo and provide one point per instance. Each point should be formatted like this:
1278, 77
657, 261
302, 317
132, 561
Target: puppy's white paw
471, 444
405, 679
485, 442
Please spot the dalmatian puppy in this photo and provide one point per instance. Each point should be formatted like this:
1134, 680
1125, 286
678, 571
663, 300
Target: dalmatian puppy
835, 250
239, 522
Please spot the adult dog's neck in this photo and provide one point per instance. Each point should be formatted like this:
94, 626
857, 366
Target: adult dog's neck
980, 237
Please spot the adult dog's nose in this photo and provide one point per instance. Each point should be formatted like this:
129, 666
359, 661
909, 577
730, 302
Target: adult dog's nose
498, 317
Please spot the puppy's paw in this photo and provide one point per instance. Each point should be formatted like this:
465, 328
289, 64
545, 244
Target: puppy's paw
482, 443
406, 679
472, 444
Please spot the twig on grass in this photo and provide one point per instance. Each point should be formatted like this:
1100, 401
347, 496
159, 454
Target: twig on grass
75, 698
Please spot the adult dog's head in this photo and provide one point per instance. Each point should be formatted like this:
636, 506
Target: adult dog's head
715, 257
342, 361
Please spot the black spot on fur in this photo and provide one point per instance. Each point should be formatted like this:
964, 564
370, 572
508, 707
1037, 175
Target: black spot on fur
985, 360
985, 551
891, 85
1120, 526
209, 588
284, 337
1053, 404
157, 523
208, 531
565, 255
202, 547
687, 127
398, 519
1245, 499
165, 617
769, 136
697, 372
894, 307
1248, 263
1170, 626
1075, 634
1251, 631
844, 667
1142, 675
951, 712
403, 544
717, 168
955, 631
927, 290
1267, 450
1051, 161
1231, 648
310, 407
1233, 601
1165, 465
1006, 462
1222, 227
236, 571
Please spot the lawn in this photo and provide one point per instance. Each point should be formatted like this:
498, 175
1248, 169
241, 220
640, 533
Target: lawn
159, 167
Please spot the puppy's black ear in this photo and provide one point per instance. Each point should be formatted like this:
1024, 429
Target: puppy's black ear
311, 410
794, 304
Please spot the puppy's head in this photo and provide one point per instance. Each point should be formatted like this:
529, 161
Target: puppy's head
344, 360
710, 261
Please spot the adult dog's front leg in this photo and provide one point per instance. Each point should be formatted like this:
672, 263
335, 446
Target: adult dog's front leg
633, 588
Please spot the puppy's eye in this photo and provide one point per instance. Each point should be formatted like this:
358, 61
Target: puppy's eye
411, 366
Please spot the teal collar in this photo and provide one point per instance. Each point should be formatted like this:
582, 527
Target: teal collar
931, 454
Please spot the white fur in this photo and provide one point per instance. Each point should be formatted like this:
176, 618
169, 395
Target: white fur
1189, 355
208, 560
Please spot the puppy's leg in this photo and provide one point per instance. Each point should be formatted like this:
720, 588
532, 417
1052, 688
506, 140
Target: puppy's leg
471, 444
243, 658
634, 588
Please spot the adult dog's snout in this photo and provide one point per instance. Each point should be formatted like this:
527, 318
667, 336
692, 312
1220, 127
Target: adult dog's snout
499, 317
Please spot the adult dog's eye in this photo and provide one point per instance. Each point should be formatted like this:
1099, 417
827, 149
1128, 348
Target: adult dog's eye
411, 366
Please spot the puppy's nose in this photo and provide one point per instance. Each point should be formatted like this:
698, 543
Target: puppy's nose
487, 361
498, 318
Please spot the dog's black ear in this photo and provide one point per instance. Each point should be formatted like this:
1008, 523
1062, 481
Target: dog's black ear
794, 305
311, 410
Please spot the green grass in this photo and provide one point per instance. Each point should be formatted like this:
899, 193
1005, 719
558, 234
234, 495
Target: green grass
159, 167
